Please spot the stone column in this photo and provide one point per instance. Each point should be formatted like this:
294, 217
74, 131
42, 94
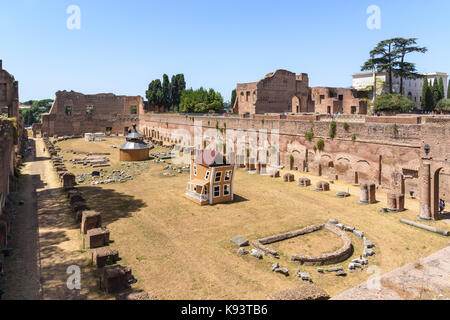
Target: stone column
372, 189
392, 201
364, 195
425, 191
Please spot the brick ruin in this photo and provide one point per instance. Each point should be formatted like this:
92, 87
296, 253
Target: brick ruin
389, 154
75, 113
11, 137
285, 92
385, 151
9, 94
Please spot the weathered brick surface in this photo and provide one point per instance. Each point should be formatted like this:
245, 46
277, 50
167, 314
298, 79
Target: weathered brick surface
115, 279
96, 238
90, 220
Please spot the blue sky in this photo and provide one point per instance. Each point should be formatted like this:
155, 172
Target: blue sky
123, 45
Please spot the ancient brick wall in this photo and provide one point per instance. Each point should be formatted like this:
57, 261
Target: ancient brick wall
9, 93
342, 100
377, 152
7, 156
74, 113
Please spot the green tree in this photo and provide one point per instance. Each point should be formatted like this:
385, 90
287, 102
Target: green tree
154, 93
233, 97
424, 92
404, 69
201, 101
166, 92
441, 88
436, 92
382, 59
393, 103
443, 105
448, 91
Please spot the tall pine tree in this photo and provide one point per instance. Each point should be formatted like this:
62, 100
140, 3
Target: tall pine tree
448, 91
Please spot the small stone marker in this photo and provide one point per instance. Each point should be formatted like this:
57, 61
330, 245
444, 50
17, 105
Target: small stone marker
240, 241
332, 221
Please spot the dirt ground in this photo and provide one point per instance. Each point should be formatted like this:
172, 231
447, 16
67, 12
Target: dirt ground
179, 250
45, 239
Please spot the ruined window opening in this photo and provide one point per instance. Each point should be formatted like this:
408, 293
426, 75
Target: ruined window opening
329, 110
321, 98
341, 97
89, 110
68, 110
242, 97
133, 109
353, 111
248, 96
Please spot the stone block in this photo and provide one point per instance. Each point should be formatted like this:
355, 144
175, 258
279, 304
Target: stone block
240, 241
96, 238
104, 256
90, 220
116, 278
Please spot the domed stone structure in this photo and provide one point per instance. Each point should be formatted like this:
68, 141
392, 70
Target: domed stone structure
135, 149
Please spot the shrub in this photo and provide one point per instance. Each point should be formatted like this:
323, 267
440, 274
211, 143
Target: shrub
309, 135
353, 137
443, 105
332, 132
395, 128
320, 144
346, 126
393, 103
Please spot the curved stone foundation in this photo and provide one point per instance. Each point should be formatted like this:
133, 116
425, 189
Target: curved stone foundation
328, 258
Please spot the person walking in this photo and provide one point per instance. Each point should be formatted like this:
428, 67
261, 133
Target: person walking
441, 206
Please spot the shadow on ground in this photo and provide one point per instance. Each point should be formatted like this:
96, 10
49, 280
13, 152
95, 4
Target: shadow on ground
112, 205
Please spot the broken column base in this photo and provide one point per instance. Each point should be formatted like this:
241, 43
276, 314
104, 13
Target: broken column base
116, 278
97, 238
104, 256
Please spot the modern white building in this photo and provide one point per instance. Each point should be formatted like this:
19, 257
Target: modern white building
412, 88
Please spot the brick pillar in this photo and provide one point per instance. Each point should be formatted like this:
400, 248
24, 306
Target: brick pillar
425, 191
364, 194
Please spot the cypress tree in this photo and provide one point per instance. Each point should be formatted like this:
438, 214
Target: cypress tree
167, 97
436, 92
448, 91
424, 92
441, 88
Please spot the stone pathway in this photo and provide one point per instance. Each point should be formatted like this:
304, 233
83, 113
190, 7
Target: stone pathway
425, 279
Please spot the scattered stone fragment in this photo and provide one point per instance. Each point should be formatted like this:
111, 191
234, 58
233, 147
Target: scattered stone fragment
242, 251
283, 271
340, 226
275, 266
336, 269
369, 253
320, 270
332, 221
256, 253
350, 229
341, 273
358, 233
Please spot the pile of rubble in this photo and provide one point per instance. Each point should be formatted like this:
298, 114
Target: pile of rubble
95, 162
67, 179
103, 176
